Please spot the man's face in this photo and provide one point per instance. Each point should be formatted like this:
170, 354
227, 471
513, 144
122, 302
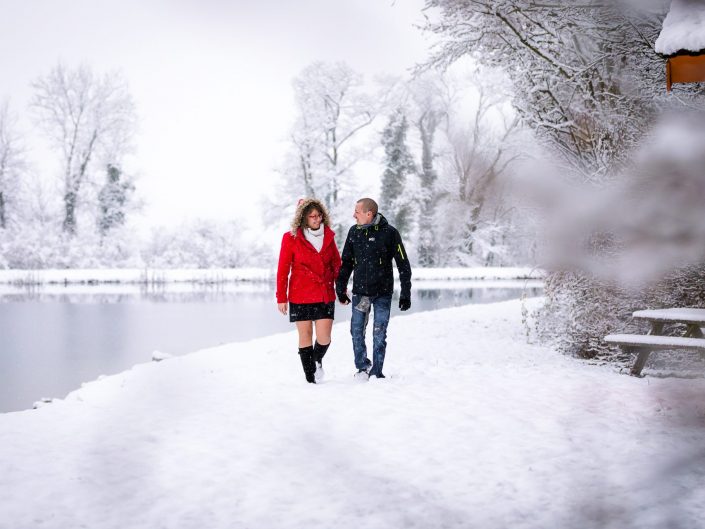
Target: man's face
361, 216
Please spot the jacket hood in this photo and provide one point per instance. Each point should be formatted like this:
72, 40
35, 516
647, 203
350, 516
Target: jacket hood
299, 221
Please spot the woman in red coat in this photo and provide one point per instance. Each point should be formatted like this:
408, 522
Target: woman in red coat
309, 262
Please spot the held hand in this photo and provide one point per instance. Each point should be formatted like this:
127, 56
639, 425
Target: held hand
343, 298
404, 304
282, 308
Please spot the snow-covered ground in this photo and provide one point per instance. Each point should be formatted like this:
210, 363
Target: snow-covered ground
223, 275
473, 428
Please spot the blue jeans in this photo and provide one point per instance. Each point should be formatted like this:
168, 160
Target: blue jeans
358, 323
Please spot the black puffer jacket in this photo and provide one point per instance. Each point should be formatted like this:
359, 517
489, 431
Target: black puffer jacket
369, 252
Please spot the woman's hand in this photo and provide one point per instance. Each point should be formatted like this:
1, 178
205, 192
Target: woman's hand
282, 308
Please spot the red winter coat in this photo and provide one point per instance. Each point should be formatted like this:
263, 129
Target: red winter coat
313, 273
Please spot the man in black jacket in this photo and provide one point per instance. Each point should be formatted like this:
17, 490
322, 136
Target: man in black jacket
369, 249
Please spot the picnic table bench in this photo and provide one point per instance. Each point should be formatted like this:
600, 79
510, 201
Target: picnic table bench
692, 340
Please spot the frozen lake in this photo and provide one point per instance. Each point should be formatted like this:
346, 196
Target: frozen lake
54, 338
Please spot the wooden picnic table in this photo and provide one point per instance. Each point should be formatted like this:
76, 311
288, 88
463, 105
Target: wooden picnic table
693, 318
692, 339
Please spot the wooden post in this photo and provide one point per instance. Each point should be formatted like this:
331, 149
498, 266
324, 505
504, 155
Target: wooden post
641, 359
693, 331
668, 75
643, 356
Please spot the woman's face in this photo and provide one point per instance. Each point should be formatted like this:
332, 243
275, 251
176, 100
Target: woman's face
314, 219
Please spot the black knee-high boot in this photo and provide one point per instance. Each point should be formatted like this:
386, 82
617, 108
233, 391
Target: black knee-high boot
319, 351
308, 363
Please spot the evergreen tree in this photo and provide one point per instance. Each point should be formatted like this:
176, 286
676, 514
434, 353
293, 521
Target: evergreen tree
398, 165
112, 200
427, 124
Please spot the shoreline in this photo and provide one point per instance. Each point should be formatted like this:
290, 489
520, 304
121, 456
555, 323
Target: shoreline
210, 276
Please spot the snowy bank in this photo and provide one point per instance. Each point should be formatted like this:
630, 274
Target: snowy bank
473, 428
226, 275
133, 276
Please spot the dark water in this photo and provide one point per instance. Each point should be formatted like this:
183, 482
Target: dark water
54, 338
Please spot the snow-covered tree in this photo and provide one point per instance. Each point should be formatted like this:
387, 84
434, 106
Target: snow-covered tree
474, 128
398, 167
12, 164
333, 109
204, 244
430, 113
588, 82
585, 74
112, 200
89, 120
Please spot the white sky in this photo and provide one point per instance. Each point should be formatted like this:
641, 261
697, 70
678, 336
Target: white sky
211, 79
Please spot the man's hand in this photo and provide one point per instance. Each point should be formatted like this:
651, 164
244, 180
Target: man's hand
343, 298
282, 308
404, 303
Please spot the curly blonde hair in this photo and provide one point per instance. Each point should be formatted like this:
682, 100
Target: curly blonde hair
305, 207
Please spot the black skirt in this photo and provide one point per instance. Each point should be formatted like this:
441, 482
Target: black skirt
311, 311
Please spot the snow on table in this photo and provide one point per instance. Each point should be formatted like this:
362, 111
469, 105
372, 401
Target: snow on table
473, 428
683, 28
684, 315
656, 340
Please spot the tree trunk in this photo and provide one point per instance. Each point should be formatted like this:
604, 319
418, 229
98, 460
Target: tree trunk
427, 129
3, 220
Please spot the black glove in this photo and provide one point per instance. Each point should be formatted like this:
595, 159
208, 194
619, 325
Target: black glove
343, 297
404, 303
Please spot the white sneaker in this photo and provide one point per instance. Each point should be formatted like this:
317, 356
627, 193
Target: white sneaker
319, 374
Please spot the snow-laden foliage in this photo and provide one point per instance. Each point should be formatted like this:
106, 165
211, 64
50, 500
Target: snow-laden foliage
204, 244
398, 167
645, 233
12, 165
113, 200
333, 108
193, 244
585, 74
28, 246
468, 221
445, 143
90, 121
588, 82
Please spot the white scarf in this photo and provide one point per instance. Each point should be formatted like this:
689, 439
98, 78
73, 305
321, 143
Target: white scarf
315, 237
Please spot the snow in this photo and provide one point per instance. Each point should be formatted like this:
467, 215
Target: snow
683, 315
652, 339
472, 428
223, 275
509, 272
133, 275
683, 28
